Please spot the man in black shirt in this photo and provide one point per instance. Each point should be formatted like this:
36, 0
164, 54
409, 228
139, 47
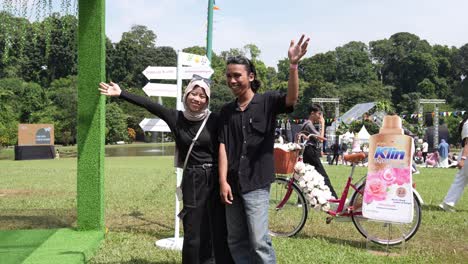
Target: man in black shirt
246, 167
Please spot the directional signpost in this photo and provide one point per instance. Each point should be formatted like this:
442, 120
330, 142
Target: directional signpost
154, 125
197, 64
170, 73
160, 73
160, 89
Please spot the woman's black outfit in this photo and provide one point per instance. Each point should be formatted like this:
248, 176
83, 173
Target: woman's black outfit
336, 153
203, 214
312, 153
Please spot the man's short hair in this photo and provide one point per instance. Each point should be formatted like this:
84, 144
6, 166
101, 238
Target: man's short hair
315, 108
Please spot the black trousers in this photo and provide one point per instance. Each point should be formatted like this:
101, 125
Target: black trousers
203, 218
335, 157
312, 157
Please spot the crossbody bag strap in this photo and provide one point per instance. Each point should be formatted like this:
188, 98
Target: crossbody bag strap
195, 139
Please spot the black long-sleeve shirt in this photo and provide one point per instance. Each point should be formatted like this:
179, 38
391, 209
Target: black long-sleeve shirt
206, 147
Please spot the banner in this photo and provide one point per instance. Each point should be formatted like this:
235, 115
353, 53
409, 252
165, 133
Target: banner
35, 134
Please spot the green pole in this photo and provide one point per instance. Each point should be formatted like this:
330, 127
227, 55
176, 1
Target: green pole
91, 114
209, 30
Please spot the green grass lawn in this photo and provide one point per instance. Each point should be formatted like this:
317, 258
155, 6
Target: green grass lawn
140, 210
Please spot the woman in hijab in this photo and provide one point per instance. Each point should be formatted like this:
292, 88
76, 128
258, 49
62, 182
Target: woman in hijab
203, 214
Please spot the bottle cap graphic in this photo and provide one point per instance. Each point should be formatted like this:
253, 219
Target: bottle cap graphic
391, 125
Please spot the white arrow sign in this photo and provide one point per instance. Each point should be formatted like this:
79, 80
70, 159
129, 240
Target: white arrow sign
170, 73
190, 59
160, 73
160, 89
154, 125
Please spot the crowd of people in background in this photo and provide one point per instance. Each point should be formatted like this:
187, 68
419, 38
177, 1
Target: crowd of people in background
335, 149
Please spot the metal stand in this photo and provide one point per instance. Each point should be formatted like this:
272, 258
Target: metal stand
176, 242
393, 231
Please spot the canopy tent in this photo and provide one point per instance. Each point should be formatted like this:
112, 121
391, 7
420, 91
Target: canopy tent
347, 137
363, 135
355, 113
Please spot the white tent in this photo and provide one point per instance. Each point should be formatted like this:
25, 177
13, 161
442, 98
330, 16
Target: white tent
363, 135
347, 137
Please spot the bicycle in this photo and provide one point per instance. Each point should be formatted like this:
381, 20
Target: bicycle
289, 208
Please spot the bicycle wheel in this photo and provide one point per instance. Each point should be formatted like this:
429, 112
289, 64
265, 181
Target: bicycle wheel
289, 219
380, 232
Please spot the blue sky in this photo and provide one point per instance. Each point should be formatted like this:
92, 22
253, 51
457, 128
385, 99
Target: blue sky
272, 24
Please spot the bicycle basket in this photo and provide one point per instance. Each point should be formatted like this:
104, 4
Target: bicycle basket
284, 160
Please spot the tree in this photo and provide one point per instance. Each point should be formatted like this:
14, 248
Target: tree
12, 41
8, 120
404, 61
61, 50
312, 89
27, 97
253, 51
452, 125
231, 53
320, 67
356, 93
354, 64
220, 96
64, 99
133, 53
116, 124
426, 88
409, 103
384, 105
371, 127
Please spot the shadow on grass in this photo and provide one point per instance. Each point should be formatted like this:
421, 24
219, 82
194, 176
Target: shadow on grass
139, 224
431, 207
139, 261
334, 240
37, 219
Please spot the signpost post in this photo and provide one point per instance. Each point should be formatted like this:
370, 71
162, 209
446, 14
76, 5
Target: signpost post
199, 65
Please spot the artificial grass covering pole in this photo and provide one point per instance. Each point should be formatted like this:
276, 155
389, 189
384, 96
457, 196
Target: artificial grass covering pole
91, 114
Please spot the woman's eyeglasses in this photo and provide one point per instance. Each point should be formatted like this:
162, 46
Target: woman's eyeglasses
197, 77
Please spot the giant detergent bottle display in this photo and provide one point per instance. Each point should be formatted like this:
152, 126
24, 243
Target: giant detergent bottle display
388, 194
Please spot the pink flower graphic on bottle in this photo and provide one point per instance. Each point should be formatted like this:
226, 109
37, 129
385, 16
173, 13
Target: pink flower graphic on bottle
376, 190
378, 182
388, 176
403, 175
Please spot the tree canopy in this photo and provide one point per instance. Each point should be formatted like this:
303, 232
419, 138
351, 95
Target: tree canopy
38, 65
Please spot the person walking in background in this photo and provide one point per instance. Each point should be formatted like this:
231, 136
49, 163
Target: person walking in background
344, 151
312, 150
246, 164
461, 178
425, 150
443, 154
203, 215
336, 152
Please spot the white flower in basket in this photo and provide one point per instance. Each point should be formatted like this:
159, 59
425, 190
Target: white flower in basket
288, 146
313, 186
